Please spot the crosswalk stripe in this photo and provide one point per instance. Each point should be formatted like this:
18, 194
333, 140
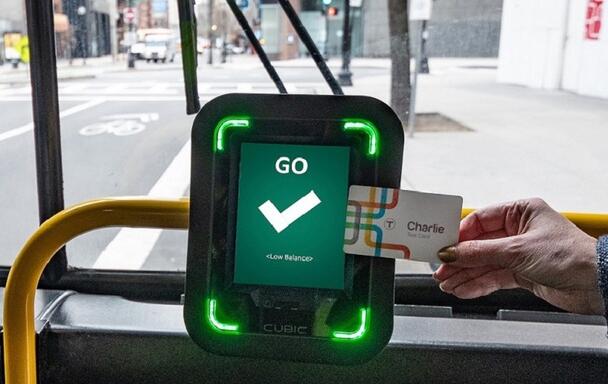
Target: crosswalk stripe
291, 88
244, 88
119, 88
73, 88
159, 89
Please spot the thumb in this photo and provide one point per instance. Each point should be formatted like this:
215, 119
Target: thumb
479, 253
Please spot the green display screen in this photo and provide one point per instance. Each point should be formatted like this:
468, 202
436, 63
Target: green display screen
290, 215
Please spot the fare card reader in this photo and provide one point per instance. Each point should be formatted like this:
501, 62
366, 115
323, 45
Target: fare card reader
266, 273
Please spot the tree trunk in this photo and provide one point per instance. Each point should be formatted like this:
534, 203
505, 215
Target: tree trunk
400, 58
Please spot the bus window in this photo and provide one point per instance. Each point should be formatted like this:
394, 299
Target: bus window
498, 100
488, 125
18, 186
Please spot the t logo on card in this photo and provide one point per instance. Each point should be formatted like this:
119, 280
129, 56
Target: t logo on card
389, 224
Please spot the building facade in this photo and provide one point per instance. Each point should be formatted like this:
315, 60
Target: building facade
327, 30
278, 36
83, 28
566, 48
458, 28
92, 27
12, 16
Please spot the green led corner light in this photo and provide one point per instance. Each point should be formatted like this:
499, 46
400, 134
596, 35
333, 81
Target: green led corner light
368, 128
215, 323
223, 126
359, 332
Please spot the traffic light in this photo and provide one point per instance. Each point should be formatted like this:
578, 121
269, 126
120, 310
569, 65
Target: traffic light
332, 11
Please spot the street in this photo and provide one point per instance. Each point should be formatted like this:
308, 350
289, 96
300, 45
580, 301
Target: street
125, 133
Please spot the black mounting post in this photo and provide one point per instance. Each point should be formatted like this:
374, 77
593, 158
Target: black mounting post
187, 28
45, 105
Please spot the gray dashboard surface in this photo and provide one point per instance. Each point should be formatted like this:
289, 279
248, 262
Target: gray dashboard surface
96, 338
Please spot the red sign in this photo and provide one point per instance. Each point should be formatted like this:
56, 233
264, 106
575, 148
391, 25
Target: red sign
129, 13
593, 20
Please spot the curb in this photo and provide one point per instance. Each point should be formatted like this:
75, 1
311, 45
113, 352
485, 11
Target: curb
26, 79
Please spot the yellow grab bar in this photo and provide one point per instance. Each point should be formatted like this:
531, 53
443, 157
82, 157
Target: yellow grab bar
19, 333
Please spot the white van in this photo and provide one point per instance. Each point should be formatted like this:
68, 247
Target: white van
159, 47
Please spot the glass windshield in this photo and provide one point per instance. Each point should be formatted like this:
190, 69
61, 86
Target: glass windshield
506, 106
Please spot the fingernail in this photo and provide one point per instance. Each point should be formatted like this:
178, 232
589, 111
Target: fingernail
447, 254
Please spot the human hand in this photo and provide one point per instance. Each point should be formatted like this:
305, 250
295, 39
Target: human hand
523, 244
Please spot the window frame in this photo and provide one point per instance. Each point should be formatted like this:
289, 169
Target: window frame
166, 285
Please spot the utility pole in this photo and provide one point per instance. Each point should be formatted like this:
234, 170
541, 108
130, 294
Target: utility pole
260, 13
424, 60
328, 11
210, 30
422, 11
414, 91
83, 31
224, 21
345, 77
130, 56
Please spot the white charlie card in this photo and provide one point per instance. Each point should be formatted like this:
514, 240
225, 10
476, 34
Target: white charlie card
399, 224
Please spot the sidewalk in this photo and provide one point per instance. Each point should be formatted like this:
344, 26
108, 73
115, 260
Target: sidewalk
95, 66
99, 65
79, 69
524, 142
250, 62
244, 62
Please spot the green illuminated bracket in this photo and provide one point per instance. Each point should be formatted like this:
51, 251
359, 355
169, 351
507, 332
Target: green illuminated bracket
219, 135
368, 128
215, 323
359, 332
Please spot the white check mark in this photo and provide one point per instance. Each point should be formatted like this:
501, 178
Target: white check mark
281, 220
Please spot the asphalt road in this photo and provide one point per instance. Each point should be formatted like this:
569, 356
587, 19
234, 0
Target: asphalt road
124, 133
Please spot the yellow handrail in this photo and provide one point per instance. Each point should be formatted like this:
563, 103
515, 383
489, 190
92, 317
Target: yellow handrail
19, 332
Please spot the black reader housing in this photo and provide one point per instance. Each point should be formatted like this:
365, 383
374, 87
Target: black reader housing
345, 325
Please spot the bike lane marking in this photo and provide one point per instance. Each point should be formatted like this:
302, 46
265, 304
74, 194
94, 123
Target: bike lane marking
68, 112
123, 124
